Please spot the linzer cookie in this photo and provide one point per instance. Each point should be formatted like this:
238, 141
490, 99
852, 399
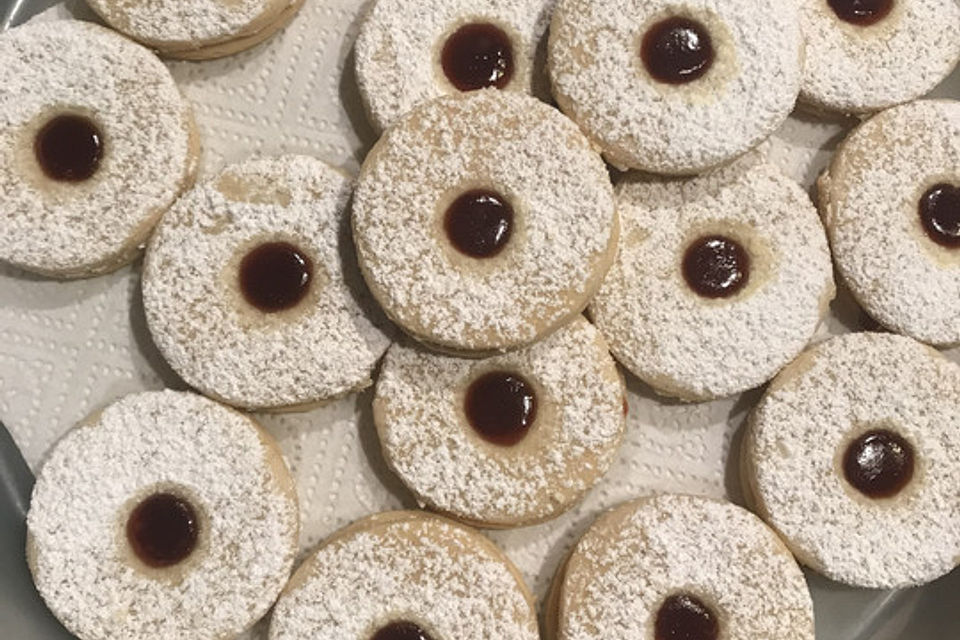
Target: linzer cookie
867, 55
720, 281
506, 441
891, 204
246, 291
405, 575
411, 51
484, 221
671, 87
93, 148
166, 515
852, 457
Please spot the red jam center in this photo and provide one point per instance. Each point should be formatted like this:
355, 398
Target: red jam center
879, 464
479, 223
275, 276
677, 50
69, 148
716, 267
476, 56
501, 406
685, 617
940, 214
402, 630
861, 12
162, 530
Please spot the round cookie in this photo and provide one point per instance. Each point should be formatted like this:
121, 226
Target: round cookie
671, 88
197, 29
166, 515
891, 204
508, 441
867, 55
245, 293
93, 148
405, 575
409, 52
720, 281
852, 455
674, 566
484, 221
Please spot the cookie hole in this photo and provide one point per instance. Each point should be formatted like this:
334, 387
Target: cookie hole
69, 148
939, 210
479, 223
716, 266
684, 616
476, 56
501, 406
275, 276
879, 463
677, 50
163, 529
862, 13
401, 630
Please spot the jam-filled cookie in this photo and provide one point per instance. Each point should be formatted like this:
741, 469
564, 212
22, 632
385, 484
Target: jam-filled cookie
405, 575
167, 516
672, 567
891, 204
93, 148
866, 55
672, 87
197, 29
245, 292
852, 456
484, 221
506, 441
719, 282
411, 51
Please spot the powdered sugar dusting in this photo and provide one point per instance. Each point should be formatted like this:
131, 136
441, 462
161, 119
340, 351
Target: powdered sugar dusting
843, 388
145, 440
446, 578
81, 228
429, 444
642, 552
220, 344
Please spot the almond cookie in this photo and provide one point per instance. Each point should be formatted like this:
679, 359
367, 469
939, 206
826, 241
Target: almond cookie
507, 441
405, 575
245, 292
867, 55
852, 455
484, 221
93, 148
411, 51
674, 566
197, 29
167, 516
719, 282
891, 204
675, 88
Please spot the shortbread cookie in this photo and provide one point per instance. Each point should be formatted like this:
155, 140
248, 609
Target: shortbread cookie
867, 55
671, 87
672, 567
405, 575
506, 441
93, 148
166, 516
852, 455
891, 205
197, 29
411, 51
720, 281
245, 292
484, 221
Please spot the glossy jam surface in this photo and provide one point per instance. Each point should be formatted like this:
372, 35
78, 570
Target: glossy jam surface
716, 267
861, 12
275, 276
479, 223
685, 617
69, 148
677, 50
401, 630
162, 530
501, 406
940, 214
879, 464
476, 56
